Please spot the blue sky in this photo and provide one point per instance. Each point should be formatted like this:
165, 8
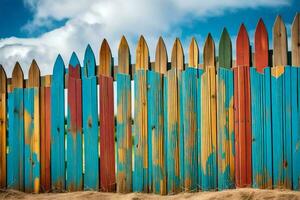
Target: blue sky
41, 29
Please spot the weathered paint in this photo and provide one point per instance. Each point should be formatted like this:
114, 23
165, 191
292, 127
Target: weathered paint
90, 121
171, 129
58, 171
261, 128
124, 137
156, 132
225, 125
199, 127
32, 139
107, 134
141, 163
3, 127
74, 133
281, 126
189, 105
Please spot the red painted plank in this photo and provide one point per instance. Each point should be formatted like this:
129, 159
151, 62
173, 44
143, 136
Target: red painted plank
261, 47
242, 102
107, 140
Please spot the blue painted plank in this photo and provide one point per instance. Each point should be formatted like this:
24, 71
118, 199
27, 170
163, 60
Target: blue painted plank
157, 167
15, 156
199, 100
58, 171
124, 135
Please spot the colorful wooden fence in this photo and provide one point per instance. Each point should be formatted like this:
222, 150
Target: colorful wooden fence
212, 126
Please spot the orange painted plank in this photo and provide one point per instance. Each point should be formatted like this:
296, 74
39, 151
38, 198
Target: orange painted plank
261, 44
3, 127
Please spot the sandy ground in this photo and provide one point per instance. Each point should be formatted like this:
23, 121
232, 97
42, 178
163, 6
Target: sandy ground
244, 194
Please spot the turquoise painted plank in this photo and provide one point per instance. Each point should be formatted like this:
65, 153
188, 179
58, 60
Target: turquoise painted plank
189, 117
181, 131
90, 121
124, 136
58, 171
15, 156
199, 99
32, 150
261, 129
141, 162
281, 129
225, 125
157, 168
171, 129
295, 90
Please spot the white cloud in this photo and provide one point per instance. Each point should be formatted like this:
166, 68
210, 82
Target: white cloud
89, 21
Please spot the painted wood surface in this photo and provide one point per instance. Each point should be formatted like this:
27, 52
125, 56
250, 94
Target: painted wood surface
281, 109
242, 102
3, 127
193, 54
105, 60
142, 174
90, 121
74, 134
189, 105
124, 121
296, 41
260, 79
177, 58
225, 115
208, 118
58, 171
161, 57
107, 124
15, 154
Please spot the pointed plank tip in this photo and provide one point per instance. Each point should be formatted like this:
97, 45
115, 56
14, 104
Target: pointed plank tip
177, 57
17, 77
225, 50
209, 52
33, 75
142, 54
2, 80
105, 59
161, 57
74, 60
193, 53
295, 41
123, 56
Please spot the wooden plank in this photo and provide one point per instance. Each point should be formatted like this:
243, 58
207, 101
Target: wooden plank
171, 129
107, 125
189, 104
193, 54
3, 127
15, 155
225, 110
177, 58
58, 171
281, 109
296, 41
208, 118
161, 57
199, 125
32, 130
124, 121
242, 127
105, 60
90, 121
74, 133
142, 179
225, 50
261, 56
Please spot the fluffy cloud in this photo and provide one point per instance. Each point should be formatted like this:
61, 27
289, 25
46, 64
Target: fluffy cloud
89, 21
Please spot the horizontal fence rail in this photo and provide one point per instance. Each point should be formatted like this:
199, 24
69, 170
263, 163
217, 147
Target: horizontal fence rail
212, 126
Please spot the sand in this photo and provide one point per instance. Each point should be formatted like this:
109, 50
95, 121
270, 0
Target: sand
244, 194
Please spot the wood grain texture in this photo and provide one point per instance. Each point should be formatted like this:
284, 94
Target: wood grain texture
225, 50
208, 118
296, 41
142, 55
279, 43
177, 58
123, 57
3, 127
33, 75
242, 102
161, 57
17, 80
105, 60
193, 54
261, 43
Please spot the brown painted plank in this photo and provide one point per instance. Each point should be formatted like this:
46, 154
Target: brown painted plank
34, 75
261, 42
242, 104
279, 43
3, 127
105, 60
193, 54
17, 80
161, 57
296, 41
209, 53
123, 57
142, 55
177, 58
